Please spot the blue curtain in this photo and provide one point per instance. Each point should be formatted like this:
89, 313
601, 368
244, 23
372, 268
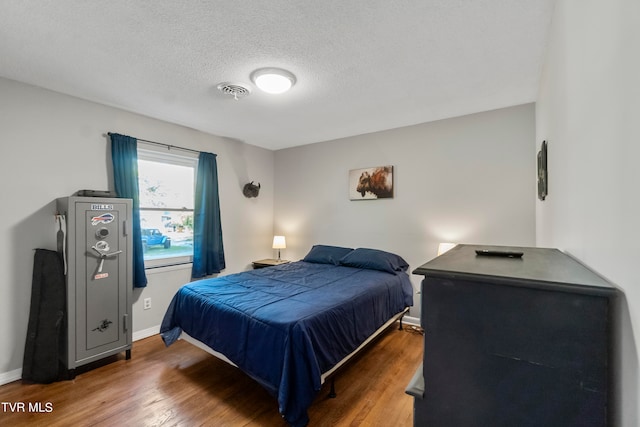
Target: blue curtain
124, 154
208, 252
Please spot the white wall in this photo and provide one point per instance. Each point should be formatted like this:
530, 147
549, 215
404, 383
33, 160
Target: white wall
54, 145
468, 180
588, 111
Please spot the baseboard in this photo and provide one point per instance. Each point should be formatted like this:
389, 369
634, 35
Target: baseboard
415, 321
11, 376
146, 333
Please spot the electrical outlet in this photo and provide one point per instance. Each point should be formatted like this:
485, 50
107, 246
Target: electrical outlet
146, 303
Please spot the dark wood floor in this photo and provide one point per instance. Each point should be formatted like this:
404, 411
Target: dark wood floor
185, 386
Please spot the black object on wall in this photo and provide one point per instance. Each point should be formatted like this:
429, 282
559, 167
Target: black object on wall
543, 179
515, 341
251, 190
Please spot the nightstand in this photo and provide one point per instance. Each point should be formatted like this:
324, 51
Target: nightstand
269, 263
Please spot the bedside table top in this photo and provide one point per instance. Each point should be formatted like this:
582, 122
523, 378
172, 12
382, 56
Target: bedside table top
270, 262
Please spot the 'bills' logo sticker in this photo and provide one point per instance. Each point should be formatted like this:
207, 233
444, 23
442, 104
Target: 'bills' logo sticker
105, 218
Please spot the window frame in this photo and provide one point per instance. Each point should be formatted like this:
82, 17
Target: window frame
152, 153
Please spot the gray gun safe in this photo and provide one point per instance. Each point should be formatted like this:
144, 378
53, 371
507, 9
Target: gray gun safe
99, 278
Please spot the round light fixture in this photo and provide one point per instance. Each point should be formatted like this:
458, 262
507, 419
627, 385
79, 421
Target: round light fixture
273, 80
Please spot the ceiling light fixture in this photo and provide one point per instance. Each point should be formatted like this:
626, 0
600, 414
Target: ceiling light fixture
273, 80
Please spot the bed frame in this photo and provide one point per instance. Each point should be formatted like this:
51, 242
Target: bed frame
330, 373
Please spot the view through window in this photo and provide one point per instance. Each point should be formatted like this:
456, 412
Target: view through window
166, 184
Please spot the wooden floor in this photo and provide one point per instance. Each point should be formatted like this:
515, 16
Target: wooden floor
184, 386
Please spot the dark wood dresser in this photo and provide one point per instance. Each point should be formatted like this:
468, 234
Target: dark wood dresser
514, 341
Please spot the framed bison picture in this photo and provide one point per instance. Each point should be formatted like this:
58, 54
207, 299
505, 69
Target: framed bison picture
371, 183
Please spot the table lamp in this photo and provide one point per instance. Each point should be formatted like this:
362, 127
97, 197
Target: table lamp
279, 243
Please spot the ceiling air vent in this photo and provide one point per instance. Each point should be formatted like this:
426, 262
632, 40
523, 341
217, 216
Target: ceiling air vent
237, 90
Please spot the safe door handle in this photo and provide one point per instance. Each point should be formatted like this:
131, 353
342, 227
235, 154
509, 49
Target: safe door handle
103, 256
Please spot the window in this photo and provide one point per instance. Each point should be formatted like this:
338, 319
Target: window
167, 186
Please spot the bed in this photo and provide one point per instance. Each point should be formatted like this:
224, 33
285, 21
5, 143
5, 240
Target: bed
290, 325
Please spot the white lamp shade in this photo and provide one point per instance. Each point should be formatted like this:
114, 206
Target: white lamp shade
444, 247
273, 80
279, 242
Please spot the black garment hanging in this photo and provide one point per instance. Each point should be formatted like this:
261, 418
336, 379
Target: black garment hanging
41, 363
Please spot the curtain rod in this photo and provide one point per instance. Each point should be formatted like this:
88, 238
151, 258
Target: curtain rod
169, 146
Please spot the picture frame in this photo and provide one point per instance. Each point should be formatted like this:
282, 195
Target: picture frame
543, 184
371, 183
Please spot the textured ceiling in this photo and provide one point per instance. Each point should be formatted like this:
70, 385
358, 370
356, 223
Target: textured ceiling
361, 65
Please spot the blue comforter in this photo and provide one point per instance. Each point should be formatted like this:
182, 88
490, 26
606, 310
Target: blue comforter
286, 325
